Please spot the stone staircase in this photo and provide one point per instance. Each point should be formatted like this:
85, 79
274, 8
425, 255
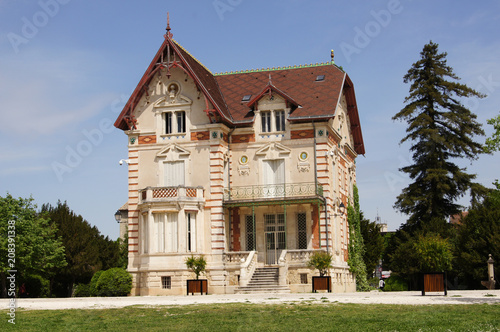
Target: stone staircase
264, 280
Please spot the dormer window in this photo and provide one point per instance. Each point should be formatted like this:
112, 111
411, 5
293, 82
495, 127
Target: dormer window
175, 122
280, 120
181, 121
272, 121
266, 121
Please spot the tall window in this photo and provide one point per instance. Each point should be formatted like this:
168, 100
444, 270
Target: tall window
266, 121
168, 123
191, 231
301, 230
173, 173
250, 232
280, 120
165, 228
145, 234
273, 177
181, 121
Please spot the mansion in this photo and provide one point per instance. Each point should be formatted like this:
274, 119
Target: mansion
251, 169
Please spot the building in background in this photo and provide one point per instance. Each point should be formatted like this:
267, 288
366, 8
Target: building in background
252, 169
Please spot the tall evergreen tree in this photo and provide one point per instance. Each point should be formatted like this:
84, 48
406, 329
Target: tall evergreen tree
441, 130
493, 143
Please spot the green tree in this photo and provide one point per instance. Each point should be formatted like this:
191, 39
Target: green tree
32, 238
441, 129
356, 246
479, 236
87, 251
196, 264
373, 244
433, 253
493, 143
322, 261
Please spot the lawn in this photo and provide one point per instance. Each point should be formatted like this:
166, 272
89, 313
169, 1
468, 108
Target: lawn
303, 316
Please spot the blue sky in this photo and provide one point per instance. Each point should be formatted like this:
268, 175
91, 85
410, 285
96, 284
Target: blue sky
67, 67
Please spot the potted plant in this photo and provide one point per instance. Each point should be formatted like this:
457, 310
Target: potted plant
321, 261
197, 265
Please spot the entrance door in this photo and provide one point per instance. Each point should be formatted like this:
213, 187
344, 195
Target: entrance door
275, 237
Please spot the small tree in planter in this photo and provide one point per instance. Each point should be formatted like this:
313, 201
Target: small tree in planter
321, 261
197, 265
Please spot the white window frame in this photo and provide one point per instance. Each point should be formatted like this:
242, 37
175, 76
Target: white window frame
181, 178
191, 231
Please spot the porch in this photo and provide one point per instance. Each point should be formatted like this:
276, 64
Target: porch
244, 265
268, 219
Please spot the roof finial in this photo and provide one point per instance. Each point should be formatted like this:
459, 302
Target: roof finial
332, 55
168, 34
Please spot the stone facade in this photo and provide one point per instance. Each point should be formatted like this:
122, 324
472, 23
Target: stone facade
234, 167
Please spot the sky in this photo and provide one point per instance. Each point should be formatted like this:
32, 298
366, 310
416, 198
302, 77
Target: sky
67, 67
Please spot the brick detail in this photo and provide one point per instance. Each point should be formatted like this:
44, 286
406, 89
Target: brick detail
244, 138
147, 139
315, 227
235, 227
298, 134
200, 136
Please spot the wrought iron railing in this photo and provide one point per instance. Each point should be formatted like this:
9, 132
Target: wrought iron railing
285, 190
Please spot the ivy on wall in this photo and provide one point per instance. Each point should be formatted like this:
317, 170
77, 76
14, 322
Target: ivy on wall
356, 245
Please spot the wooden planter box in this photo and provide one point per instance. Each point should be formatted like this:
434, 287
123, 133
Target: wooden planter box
322, 283
197, 286
434, 282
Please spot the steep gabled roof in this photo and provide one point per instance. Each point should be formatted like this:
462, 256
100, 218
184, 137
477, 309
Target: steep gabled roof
202, 76
314, 91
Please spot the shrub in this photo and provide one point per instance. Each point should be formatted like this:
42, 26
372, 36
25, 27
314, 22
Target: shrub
395, 284
93, 283
196, 264
114, 282
82, 290
321, 261
34, 286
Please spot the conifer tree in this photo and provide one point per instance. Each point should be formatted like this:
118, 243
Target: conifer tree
441, 130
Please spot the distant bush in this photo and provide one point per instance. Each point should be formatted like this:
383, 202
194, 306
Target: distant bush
34, 285
82, 290
114, 282
93, 283
395, 284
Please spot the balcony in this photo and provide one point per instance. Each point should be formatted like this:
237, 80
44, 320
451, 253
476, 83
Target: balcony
170, 194
274, 191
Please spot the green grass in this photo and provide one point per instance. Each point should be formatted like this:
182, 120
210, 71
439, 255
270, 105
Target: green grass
266, 317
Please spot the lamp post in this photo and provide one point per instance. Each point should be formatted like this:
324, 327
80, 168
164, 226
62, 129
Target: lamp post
342, 208
118, 216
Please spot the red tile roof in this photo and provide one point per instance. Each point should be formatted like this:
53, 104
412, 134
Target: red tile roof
312, 99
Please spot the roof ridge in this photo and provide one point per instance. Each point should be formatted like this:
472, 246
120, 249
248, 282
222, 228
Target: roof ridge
192, 56
244, 71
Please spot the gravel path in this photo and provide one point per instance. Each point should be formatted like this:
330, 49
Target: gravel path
404, 298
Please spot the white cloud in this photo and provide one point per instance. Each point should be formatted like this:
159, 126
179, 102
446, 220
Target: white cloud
42, 92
